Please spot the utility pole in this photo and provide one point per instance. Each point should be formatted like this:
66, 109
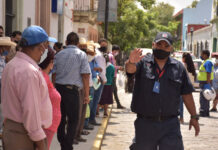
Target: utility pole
192, 30
106, 19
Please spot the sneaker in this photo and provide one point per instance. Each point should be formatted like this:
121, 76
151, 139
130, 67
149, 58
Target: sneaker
94, 123
181, 120
89, 127
75, 142
213, 110
120, 107
80, 139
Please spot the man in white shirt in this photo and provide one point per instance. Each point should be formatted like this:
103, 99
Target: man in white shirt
99, 58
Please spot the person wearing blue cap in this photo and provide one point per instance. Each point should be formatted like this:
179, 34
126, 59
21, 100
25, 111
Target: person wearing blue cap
26, 105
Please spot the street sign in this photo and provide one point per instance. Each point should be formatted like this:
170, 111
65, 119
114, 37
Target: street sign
112, 16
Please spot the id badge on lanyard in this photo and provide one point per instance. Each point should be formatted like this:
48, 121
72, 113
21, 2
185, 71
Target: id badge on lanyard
156, 88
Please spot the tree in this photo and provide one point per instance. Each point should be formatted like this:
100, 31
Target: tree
133, 24
194, 4
162, 15
137, 28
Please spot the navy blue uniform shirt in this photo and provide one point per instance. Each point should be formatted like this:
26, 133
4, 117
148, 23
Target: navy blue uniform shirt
174, 83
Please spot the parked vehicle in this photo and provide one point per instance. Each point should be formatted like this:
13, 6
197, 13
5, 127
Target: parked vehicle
197, 64
146, 51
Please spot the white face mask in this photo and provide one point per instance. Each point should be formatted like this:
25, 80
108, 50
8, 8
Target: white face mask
216, 61
44, 55
90, 58
116, 54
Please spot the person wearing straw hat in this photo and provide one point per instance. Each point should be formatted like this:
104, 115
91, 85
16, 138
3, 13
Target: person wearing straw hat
26, 106
5, 46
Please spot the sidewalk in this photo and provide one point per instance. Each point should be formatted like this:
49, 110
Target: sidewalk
82, 145
120, 131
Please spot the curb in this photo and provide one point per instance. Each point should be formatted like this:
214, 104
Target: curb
101, 131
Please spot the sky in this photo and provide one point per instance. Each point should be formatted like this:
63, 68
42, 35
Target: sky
178, 4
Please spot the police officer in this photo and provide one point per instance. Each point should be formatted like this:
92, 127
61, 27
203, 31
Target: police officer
159, 82
205, 77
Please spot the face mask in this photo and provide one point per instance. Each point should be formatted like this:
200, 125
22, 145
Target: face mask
84, 50
116, 54
201, 58
103, 49
5, 53
90, 58
52, 71
44, 55
160, 54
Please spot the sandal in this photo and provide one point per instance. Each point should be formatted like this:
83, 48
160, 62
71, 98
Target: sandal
105, 115
84, 132
97, 114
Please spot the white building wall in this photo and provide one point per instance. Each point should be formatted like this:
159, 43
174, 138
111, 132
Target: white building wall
67, 26
28, 12
54, 25
1, 12
78, 25
201, 35
81, 5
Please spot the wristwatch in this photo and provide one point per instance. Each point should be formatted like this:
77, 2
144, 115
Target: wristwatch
195, 117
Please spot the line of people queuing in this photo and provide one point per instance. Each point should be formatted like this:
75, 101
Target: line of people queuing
45, 90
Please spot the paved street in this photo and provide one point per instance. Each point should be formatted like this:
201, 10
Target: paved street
120, 130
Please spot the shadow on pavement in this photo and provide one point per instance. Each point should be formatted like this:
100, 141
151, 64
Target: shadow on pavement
110, 134
113, 123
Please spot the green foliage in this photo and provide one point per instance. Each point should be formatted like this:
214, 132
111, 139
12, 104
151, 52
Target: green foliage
136, 27
194, 4
146, 4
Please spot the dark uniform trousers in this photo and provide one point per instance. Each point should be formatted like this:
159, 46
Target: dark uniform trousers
69, 115
151, 135
204, 104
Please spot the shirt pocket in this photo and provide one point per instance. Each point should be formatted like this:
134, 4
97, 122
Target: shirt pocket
175, 80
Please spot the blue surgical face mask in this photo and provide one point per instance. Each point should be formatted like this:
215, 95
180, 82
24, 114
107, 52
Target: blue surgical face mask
5, 53
201, 58
51, 72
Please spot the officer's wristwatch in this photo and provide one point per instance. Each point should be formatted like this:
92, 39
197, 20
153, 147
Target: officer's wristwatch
195, 117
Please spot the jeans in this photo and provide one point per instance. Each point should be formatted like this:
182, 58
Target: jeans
151, 135
94, 104
69, 116
181, 108
91, 93
204, 104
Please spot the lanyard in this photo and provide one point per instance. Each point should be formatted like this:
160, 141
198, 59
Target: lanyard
160, 74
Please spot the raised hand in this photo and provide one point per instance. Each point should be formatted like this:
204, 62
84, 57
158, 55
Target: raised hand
136, 55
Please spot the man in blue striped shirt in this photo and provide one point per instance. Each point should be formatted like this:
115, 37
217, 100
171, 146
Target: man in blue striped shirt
71, 74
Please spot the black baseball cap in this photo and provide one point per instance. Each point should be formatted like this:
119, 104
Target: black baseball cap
164, 36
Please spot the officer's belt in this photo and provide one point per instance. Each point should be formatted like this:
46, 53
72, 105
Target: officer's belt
155, 118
